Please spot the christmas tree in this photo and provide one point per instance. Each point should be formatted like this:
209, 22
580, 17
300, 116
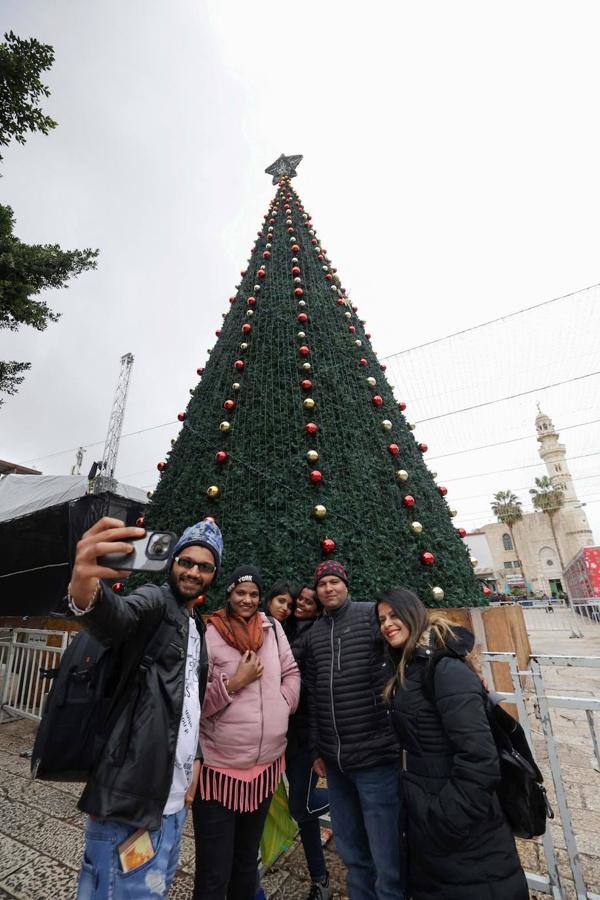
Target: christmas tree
293, 440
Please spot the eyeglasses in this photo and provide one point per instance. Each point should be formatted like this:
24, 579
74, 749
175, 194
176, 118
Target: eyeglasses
186, 563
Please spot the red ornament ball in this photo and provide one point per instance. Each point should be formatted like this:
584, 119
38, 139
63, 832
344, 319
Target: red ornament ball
229, 404
427, 558
377, 400
462, 532
351, 329
408, 500
328, 545
304, 350
402, 406
306, 384
182, 416
218, 332
423, 448
199, 600
394, 449
117, 587
246, 328
362, 362
302, 317
239, 364
251, 301
295, 270
295, 248
368, 336
139, 522
267, 254
311, 428
486, 590
443, 490
232, 300
200, 371
298, 292
221, 456
161, 466
261, 273
243, 272
315, 476
383, 367
340, 302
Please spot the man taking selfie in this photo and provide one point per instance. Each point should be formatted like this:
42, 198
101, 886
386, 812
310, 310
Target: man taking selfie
147, 772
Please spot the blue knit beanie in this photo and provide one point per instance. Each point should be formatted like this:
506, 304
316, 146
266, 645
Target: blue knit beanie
203, 534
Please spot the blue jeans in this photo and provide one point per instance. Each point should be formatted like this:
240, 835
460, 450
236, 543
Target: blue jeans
101, 876
365, 814
307, 804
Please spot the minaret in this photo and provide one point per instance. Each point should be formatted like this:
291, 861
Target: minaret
554, 456
572, 526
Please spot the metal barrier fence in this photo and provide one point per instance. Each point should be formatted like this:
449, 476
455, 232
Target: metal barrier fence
580, 618
543, 703
23, 653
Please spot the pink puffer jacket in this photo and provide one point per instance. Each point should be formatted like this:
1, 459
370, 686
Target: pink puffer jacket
248, 728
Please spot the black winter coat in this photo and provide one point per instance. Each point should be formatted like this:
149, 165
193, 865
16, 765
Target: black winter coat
460, 846
298, 729
136, 791
345, 676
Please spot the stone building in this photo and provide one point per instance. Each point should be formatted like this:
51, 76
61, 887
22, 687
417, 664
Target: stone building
533, 562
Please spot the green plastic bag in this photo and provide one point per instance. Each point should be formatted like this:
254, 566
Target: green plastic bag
280, 829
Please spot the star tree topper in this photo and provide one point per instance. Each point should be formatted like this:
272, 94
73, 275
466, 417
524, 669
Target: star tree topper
285, 166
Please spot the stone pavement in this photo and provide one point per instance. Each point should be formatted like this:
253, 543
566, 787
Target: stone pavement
41, 830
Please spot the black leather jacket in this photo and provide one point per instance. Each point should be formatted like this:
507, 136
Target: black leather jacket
136, 790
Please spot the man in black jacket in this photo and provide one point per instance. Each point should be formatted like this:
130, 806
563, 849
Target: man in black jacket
147, 772
351, 737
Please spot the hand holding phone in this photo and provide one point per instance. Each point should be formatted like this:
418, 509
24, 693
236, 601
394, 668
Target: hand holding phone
105, 536
150, 553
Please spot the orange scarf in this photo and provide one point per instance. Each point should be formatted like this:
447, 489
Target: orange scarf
243, 634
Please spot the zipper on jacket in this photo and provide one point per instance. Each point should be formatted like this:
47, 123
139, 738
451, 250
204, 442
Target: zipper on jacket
262, 720
339, 654
339, 753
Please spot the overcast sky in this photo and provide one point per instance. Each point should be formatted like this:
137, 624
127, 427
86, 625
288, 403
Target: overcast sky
450, 164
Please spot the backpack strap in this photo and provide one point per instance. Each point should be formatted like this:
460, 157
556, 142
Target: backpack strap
272, 621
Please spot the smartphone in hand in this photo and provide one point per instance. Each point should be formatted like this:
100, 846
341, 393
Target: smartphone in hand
151, 553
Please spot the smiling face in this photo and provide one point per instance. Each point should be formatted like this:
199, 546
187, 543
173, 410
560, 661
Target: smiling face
280, 606
332, 592
190, 583
392, 627
244, 599
306, 605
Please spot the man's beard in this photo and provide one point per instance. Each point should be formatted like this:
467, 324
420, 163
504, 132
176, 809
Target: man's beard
183, 598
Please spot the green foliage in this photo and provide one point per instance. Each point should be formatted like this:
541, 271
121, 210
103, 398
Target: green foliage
266, 501
545, 496
21, 63
25, 271
507, 508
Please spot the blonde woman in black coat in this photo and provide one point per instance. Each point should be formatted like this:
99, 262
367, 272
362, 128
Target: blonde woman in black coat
460, 846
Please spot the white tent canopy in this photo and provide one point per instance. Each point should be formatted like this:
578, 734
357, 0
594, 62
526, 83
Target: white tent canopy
21, 495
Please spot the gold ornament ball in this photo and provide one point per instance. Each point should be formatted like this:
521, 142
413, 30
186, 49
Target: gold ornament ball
224, 426
213, 491
358, 343
416, 527
149, 494
309, 403
371, 381
243, 345
402, 475
348, 315
235, 386
453, 513
172, 442
312, 456
437, 593
319, 511
386, 425
306, 366
411, 425
301, 335
474, 562
249, 313
302, 303
434, 474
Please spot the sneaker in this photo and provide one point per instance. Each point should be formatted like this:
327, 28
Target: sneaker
321, 890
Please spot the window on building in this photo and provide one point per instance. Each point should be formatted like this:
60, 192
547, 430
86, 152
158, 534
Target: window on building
558, 468
517, 564
508, 564
507, 541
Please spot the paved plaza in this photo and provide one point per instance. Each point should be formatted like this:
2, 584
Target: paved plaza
41, 830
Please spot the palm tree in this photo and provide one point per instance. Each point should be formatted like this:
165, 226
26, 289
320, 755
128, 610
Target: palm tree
548, 498
506, 506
